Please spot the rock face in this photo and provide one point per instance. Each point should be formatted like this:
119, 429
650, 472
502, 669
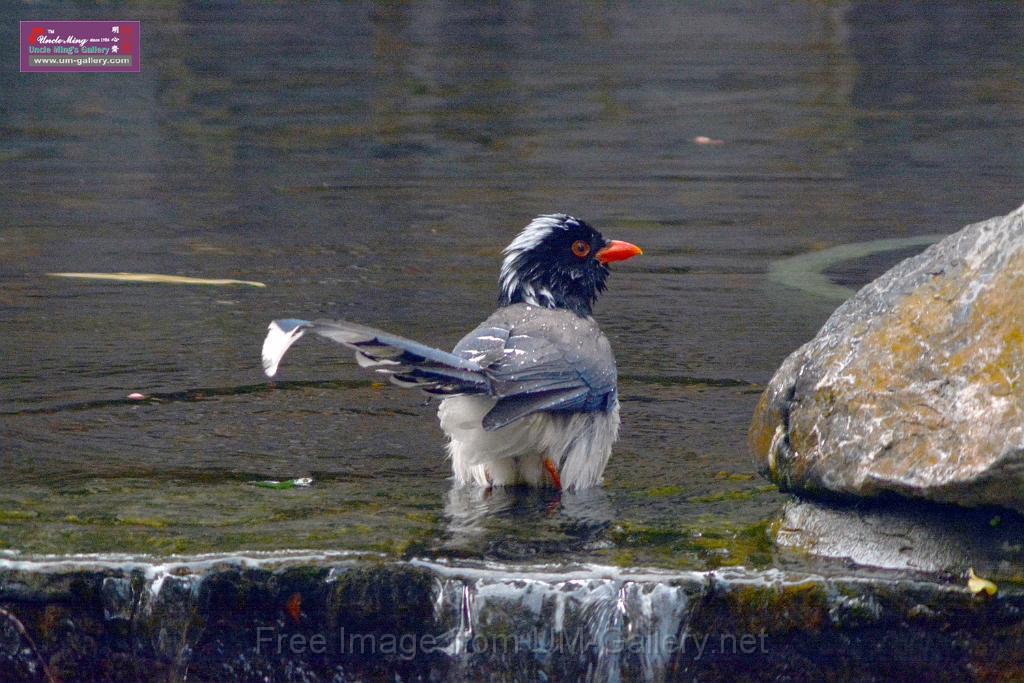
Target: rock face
915, 385
928, 539
303, 619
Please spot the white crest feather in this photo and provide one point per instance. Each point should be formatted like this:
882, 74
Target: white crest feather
539, 229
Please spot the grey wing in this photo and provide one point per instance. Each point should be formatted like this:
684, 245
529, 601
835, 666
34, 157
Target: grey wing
562, 363
485, 345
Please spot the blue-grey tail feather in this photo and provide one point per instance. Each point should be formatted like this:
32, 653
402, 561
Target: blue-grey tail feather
408, 363
289, 324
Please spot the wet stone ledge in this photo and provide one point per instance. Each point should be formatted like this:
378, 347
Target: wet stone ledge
342, 618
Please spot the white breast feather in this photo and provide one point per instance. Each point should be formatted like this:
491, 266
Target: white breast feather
579, 444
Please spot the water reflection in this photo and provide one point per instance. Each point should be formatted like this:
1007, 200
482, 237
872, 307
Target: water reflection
503, 522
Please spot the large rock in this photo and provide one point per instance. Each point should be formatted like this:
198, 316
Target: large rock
915, 385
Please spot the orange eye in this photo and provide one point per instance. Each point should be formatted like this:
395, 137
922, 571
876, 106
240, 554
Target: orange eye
580, 248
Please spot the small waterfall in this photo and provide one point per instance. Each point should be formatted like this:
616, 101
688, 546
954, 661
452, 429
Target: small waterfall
592, 624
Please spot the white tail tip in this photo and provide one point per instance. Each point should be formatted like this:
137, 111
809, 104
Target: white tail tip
276, 344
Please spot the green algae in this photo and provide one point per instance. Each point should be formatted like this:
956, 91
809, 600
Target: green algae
734, 495
150, 522
8, 516
166, 520
684, 547
664, 491
781, 609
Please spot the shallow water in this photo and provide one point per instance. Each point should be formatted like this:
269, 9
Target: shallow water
374, 173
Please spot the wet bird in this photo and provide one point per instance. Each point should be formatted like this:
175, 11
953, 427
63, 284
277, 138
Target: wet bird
529, 396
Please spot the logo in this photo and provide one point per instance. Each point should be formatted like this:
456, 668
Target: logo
80, 46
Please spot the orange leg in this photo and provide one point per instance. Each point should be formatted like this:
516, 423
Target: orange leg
553, 473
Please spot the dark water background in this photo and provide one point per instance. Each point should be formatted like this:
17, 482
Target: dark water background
369, 161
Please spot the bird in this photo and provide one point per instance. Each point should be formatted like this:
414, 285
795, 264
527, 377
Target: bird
530, 396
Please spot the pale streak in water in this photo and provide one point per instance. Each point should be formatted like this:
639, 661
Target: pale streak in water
806, 272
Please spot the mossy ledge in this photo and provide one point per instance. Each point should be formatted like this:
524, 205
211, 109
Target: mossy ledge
346, 617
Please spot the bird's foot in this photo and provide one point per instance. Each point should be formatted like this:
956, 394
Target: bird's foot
553, 473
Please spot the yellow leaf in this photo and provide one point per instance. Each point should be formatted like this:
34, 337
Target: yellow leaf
156, 277
976, 584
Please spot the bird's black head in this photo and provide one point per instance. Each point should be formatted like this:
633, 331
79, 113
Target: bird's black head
558, 261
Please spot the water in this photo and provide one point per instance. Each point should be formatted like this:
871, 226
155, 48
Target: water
369, 161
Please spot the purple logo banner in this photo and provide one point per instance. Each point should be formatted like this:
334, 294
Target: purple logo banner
80, 46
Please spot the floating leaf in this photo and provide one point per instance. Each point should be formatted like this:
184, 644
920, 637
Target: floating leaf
272, 484
301, 482
157, 278
976, 584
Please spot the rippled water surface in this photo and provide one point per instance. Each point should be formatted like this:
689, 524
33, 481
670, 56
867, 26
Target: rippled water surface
369, 161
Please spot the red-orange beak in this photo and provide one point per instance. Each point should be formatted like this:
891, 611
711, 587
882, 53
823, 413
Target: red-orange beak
618, 251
